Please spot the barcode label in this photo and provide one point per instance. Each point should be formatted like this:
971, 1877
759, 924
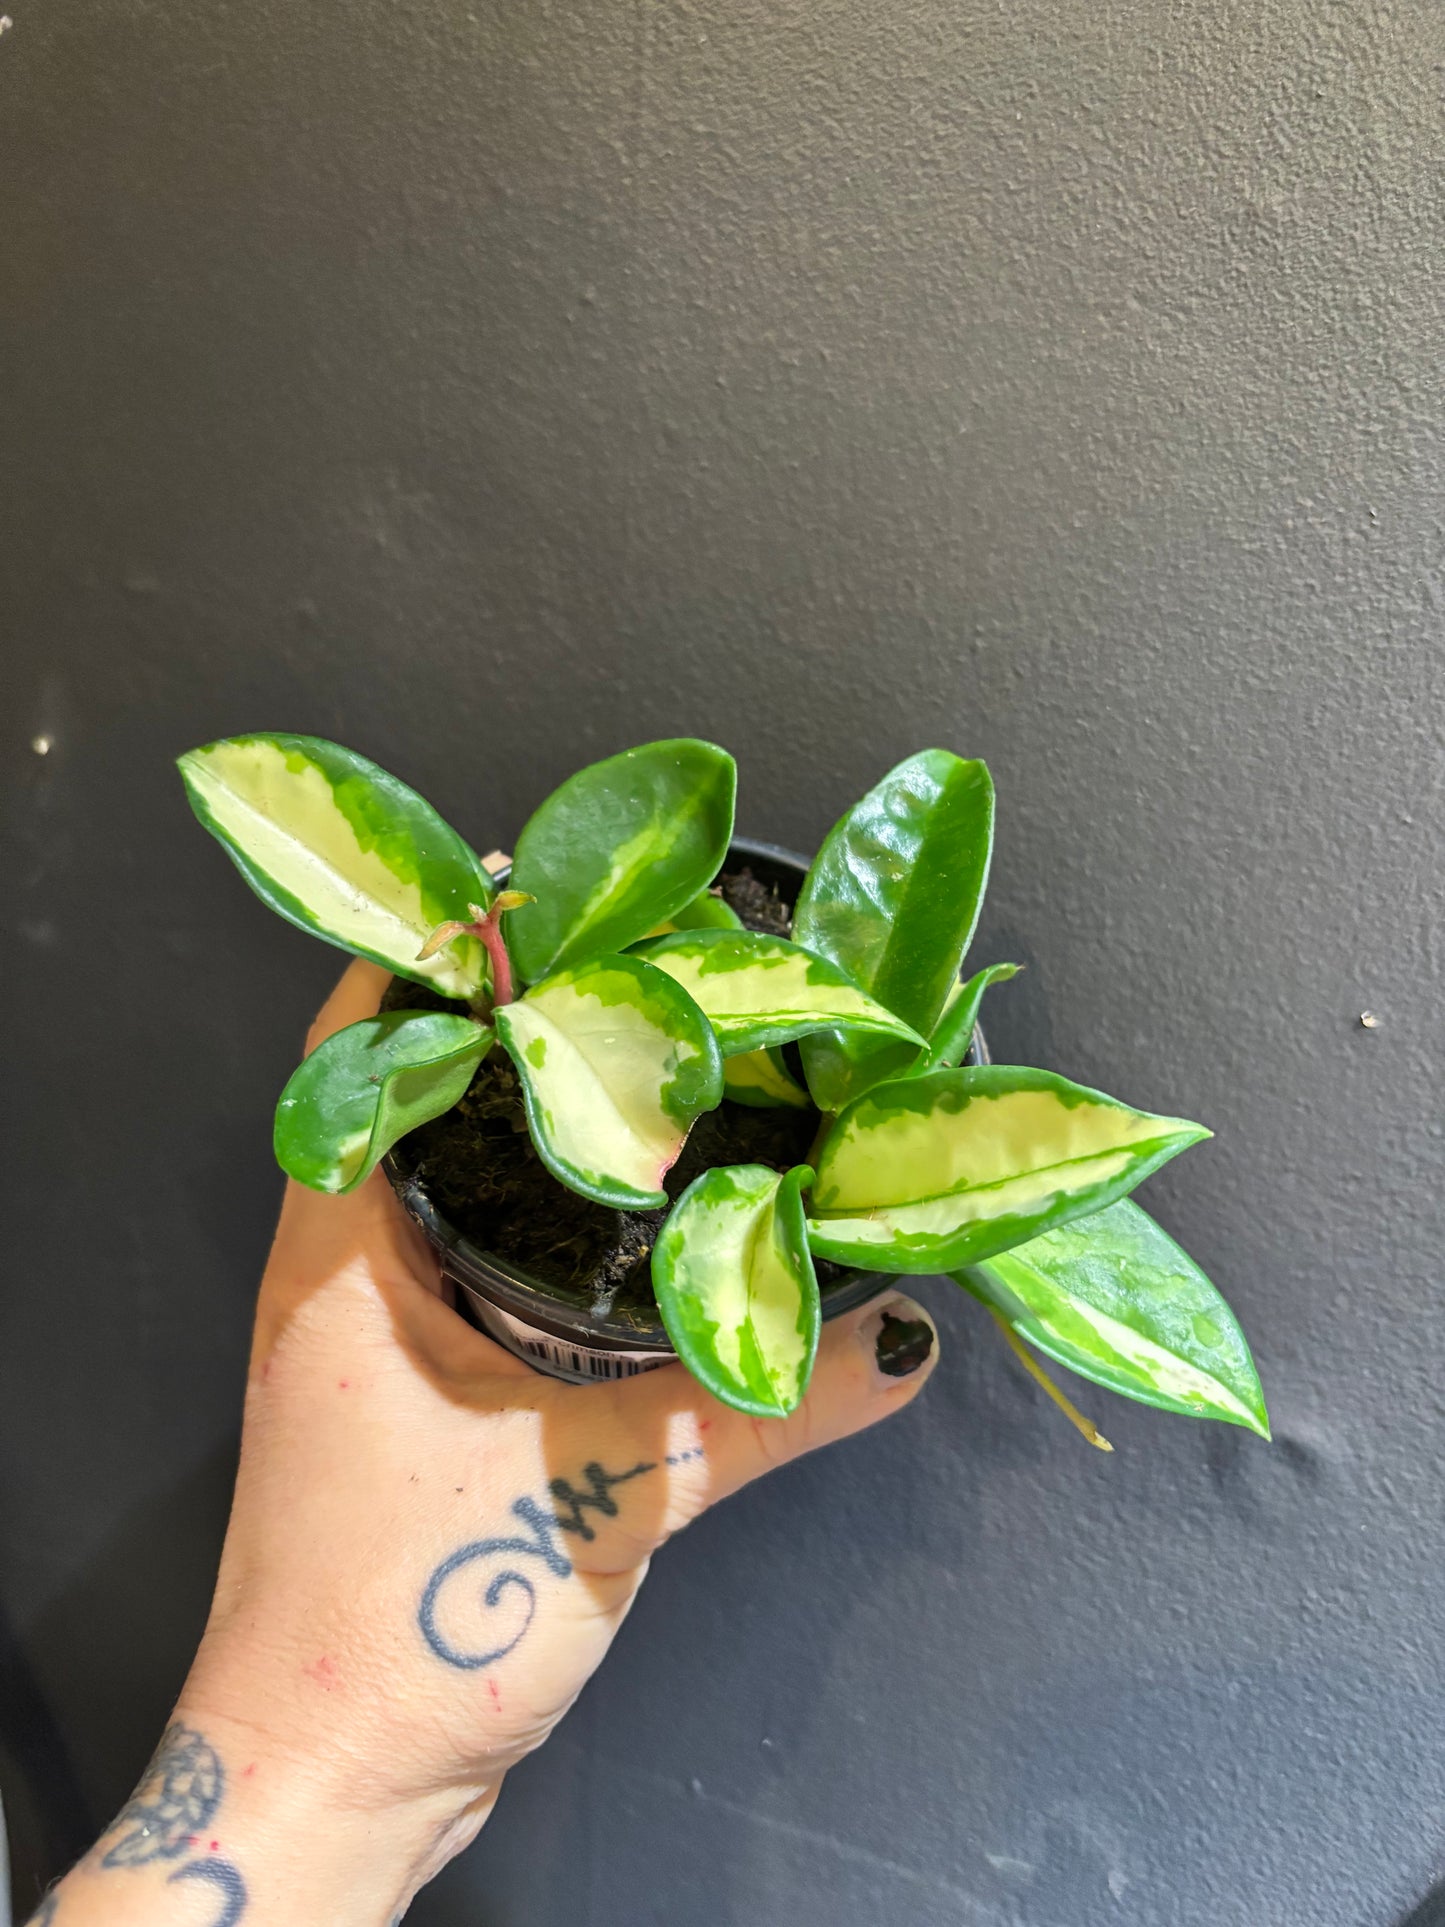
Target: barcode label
559, 1357
588, 1364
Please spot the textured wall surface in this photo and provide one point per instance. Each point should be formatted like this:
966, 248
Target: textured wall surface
494, 386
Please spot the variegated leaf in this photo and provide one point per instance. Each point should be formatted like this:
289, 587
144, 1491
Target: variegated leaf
762, 1079
705, 912
954, 1030
616, 1062
892, 898
930, 1173
736, 1287
340, 848
1115, 1299
621, 847
368, 1085
757, 991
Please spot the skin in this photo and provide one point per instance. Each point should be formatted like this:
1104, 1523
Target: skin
327, 1752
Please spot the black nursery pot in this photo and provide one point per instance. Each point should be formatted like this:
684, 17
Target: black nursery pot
573, 1335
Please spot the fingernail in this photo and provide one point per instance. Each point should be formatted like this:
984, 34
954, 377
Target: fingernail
903, 1338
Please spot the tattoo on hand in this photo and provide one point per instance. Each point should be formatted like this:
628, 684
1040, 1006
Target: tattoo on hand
543, 1525
223, 1875
174, 1804
177, 1796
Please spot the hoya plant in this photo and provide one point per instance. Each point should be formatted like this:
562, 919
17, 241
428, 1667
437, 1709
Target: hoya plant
631, 999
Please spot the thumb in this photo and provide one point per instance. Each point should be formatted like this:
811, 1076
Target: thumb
870, 1363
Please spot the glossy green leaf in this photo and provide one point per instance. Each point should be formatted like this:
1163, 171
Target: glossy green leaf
1115, 1299
621, 847
705, 912
954, 1030
616, 1062
892, 898
930, 1173
757, 990
342, 849
762, 1079
736, 1287
367, 1086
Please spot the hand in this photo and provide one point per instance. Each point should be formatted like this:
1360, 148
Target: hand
430, 1551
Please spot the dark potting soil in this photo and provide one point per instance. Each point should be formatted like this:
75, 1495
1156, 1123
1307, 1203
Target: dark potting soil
478, 1166
759, 904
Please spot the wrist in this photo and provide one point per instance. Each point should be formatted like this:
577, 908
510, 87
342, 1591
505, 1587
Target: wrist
324, 1835
280, 1834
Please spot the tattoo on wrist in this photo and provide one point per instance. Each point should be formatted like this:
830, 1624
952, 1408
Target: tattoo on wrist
223, 1875
567, 1513
174, 1803
45, 1912
168, 1815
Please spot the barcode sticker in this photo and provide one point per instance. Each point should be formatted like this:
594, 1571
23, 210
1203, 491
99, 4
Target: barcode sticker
558, 1357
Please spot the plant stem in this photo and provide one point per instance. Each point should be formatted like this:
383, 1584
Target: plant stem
1040, 1377
490, 932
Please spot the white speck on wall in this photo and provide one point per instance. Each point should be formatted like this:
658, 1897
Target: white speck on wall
42, 745
6, 23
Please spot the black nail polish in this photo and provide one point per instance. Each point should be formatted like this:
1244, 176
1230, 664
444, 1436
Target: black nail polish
903, 1345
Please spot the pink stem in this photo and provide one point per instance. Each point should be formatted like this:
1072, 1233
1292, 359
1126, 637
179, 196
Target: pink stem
490, 932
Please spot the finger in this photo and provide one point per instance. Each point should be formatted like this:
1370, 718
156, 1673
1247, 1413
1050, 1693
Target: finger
371, 1218
316, 1228
870, 1364
357, 995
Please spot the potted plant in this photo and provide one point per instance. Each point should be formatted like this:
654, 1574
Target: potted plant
662, 1091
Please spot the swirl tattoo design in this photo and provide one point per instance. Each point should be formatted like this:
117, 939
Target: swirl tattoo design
542, 1545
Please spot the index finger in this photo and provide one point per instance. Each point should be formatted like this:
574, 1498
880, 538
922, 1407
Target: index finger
357, 995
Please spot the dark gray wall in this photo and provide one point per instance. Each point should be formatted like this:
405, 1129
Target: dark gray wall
494, 386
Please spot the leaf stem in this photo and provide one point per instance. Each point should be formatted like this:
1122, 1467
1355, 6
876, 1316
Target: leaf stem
490, 932
1040, 1377
486, 927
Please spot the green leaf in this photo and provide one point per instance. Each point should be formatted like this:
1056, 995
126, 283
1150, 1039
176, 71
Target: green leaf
621, 847
953, 1033
757, 990
342, 849
705, 912
367, 1086
1115, 1299
930, 1173
892, 898
736, 1287
762, 1079
616, 1062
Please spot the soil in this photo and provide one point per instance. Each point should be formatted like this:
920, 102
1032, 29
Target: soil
478, 1166
759, 904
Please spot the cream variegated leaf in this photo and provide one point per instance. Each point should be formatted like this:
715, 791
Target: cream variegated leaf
616, 1062
342, 849
930, 1173
736, 1287
1113, 1298
622, 846
758, 991
761, 1079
